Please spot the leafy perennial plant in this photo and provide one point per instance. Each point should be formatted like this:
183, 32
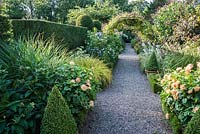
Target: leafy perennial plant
107, 47
182, 88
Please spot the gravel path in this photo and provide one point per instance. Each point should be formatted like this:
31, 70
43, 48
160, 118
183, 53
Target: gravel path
127, 106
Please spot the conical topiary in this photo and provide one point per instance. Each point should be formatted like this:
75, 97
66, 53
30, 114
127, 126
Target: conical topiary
193, 126
57, 117
152, 63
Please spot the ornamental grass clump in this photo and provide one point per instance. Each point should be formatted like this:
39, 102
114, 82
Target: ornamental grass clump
100, 71
182, 88
57, 118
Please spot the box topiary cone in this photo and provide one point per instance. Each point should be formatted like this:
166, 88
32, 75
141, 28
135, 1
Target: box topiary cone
57, 118
152, 63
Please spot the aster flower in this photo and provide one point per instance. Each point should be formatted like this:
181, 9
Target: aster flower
72, 81
190, 91
179, 69
168, 91
167, 116
182, 87
197, 89
175, 84
195, 109
175, 94
72, 63
188, 68
78, 80
84, 87
91, 103
198, 64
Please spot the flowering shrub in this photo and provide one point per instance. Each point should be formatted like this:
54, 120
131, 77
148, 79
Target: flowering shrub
29, 71
107, 47
167, 17
182, 90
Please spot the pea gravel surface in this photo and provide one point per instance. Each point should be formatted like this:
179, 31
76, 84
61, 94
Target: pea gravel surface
128, 105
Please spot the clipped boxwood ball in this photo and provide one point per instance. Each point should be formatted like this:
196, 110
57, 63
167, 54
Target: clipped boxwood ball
97, 24
85, 21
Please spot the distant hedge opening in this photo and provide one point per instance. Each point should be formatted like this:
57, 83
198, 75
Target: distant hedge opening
69, 36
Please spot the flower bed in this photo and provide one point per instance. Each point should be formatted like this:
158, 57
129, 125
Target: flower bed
181, 94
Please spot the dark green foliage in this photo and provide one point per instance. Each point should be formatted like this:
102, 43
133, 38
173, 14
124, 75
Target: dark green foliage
16, 9
85, 21
68, 36
152, 63
137, 45
193, 127
153, 81
30, 69
120, 3
173, 119
57, 118
5, 28
99, 11
97, 24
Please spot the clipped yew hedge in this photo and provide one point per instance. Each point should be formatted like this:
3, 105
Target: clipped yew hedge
69, 36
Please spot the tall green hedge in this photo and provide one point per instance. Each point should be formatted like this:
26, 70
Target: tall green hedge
66, 35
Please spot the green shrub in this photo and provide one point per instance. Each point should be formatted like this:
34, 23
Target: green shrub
57, 118
145, 57
5, 28
29, 71
193, 127
173, 119
152, 63
153, 81
16, 9
166, 17
106, 47
97, 24
85, 21
68, 36
137, 45
182, 89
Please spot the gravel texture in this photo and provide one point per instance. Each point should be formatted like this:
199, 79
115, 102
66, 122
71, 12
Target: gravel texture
128, 105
